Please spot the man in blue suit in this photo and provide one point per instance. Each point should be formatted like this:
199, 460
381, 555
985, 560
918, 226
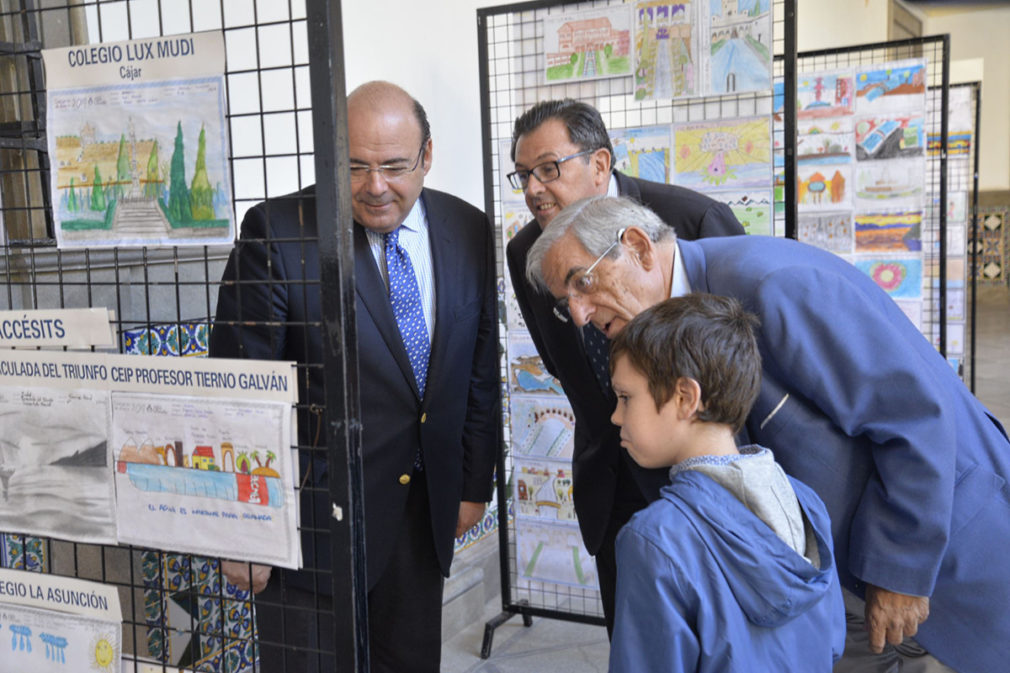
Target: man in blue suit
854, 401
429, 384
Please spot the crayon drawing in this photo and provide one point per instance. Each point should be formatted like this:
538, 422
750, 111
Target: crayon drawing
824, 95
551, 552
891, 86
543, 491
55, 479
960, 121
753, 209
588, 45
542, 430
643, 152
830, 231
889, 232
724, 154
740, 39
900, 277
823, 187
666, 50
824, 141
42, 641
892, 136
890, 184
527, 374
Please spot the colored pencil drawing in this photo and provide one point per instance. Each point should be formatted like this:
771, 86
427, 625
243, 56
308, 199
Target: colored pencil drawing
891, 136
550, 552
890, 184
824, 94
830, 231
643, 152
588, 45
543, 490
666, 50
823, 187
912, 310
740, 39
889, 232
752, 208
527, 374
960, 121
900, 277
542, 430
824, 141
725, 154
891, 86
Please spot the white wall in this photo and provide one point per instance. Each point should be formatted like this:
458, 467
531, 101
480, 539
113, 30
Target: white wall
822, 24
984, 34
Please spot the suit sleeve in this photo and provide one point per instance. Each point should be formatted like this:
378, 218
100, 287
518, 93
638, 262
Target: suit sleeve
252, 298
719, 220
480, 432
650, 631
835, 344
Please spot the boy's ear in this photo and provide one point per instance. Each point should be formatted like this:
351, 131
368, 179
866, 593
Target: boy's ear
687, 393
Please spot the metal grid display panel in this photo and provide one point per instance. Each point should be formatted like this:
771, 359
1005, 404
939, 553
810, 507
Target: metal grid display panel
178, 609
511, 40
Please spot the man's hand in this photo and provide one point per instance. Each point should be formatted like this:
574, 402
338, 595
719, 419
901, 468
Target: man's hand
892, 617
240, 575
469, 514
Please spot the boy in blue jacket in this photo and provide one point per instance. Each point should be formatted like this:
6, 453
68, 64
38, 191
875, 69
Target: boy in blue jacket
732, 569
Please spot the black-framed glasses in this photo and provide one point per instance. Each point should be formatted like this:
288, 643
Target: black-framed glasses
582, 282
360, 172
549, 171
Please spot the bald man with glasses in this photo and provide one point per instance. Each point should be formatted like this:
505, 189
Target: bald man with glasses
562, 153
429, 385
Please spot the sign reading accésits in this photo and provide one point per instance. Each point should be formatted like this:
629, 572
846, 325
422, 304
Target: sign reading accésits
70, 327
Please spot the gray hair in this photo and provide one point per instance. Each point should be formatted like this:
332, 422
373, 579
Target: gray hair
594, 222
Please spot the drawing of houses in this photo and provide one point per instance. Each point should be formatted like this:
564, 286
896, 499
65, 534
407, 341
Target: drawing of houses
588, 35
203, 458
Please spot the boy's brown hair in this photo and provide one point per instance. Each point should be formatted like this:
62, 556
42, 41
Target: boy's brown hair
703, 337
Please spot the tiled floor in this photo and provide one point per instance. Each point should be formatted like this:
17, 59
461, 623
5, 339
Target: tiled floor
564, 647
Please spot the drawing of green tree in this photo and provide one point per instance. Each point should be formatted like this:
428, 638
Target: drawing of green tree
72, 198
179, 209
97, 193
201, 194
152, 183
122, 167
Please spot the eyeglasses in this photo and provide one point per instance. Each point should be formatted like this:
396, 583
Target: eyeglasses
582, 282
360, 172
549, 171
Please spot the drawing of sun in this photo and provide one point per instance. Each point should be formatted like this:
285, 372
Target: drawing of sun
105, 654
716, 152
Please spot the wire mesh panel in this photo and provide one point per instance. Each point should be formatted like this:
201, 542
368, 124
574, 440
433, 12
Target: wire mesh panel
181, 609
527, 58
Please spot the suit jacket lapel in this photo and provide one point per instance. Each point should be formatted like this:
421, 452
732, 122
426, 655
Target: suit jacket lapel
693, 258
375, 296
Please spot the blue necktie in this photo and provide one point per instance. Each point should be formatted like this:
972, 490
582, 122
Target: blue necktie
405, 298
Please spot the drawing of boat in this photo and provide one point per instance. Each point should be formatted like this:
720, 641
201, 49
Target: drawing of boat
254, 489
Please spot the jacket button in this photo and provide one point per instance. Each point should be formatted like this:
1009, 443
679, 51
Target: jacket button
424, 417
404, 479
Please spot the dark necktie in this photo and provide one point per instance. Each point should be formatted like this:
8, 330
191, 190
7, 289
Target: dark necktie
598, 351
405, 298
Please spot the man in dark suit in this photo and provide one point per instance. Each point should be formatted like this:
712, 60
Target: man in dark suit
429, 381
855, 403
562, 153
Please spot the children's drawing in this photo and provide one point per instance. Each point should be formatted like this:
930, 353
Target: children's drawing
511, 197
542, 430
588, 45
666, 50
891, 87
956, 239
43, 641
912, 310
643, 152
900, 277
823, 187
890, 136
507, 301
543, 491
891, 232
553, 553
206, 476
956, 272
955, 337
724, 154
890, 184
824, 141
55, 476
955, 304
752, 208
143, 160
824, 94
960, 121
527, 374
957, 208
830, 231
740, 45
